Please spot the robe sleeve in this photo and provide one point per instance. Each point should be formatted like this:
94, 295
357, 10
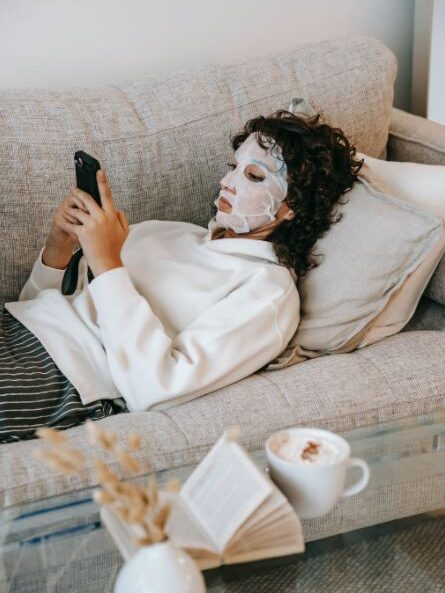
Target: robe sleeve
229, 341
43, 276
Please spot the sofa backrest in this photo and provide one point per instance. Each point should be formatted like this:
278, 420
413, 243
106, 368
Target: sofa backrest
165, 141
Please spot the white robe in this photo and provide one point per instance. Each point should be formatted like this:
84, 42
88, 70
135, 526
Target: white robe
184, 316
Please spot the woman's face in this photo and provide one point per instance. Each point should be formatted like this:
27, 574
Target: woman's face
253, 188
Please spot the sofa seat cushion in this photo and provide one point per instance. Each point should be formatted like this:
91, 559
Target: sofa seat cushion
400, 376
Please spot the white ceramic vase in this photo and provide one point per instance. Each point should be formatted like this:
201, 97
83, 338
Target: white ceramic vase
160, 568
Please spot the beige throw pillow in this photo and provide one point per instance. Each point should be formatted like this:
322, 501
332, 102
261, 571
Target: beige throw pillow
368, 257
419, 184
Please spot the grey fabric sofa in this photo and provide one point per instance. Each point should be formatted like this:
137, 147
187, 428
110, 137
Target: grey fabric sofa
164, 143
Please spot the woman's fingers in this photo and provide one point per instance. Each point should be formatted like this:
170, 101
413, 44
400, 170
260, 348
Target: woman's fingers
105, 192
69, 228
70, 218
75, 201
85, 201
77, 214
123, 220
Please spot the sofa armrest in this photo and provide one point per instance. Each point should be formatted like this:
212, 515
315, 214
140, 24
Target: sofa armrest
419, 140
415, 139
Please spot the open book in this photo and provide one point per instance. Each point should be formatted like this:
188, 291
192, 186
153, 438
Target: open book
227, 511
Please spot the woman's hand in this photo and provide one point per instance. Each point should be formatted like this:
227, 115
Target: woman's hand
101, 232
58, 237
60, 244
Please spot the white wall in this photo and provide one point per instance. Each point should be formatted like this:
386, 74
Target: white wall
436, 91
428, 73
62, 43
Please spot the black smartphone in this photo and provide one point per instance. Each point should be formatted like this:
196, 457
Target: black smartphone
86, 180
86, 174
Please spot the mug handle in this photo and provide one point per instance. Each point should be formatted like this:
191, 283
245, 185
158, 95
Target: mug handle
360, 484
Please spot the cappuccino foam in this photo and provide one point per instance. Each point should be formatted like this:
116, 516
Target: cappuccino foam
305, 450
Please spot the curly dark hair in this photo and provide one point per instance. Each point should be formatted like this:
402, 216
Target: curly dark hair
320, 169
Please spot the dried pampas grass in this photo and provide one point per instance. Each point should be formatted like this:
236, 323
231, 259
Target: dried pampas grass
136, 504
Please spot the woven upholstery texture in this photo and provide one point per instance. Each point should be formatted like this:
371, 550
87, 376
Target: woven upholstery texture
165, 141
400, 376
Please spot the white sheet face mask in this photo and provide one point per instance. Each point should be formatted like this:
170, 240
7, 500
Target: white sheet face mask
254, 202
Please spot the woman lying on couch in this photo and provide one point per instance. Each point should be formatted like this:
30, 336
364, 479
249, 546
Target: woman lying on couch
175, 310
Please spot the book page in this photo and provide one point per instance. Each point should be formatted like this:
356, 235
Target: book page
224, 490
124, 534
274, 525
184, 531
273, 552
272, 537
271, 509
284, 537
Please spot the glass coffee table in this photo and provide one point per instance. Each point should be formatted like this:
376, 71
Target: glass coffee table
390, 537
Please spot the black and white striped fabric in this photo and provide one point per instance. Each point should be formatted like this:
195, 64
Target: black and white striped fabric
34, 392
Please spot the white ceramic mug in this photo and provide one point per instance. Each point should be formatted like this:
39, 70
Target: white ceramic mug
313, 489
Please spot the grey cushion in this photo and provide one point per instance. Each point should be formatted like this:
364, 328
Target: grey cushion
367, 256
164, 141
